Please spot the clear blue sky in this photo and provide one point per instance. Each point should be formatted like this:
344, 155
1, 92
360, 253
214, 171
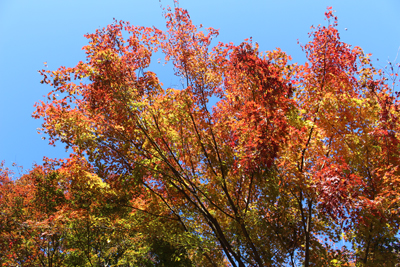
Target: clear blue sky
32, 32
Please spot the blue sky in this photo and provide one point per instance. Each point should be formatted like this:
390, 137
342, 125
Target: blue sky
34, 32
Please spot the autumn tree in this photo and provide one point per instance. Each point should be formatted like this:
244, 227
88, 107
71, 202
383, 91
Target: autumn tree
60, 214
290, 160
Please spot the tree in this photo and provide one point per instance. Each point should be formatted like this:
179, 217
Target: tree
289, 156
62, 216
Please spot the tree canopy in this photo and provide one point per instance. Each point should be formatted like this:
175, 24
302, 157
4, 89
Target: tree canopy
294, 164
